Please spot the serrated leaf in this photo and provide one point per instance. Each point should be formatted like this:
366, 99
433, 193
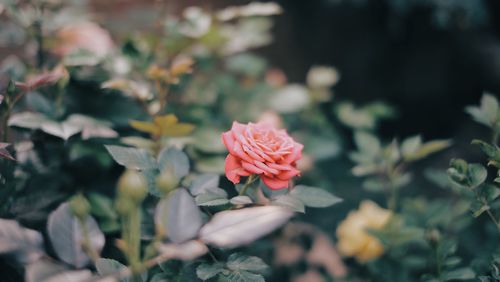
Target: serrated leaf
65, 233
107, 266
132, 157
204, 183
184, 218
239, 261
175, 159
241, 200
206, 271
314, 197
243, 276
234, 228
290, 202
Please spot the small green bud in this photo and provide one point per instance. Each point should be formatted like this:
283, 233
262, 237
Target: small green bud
79, 206
460, 165
133, 186
124, 206
167, 181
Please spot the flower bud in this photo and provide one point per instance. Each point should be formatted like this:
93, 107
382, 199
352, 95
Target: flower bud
124, 206
133, 186
80, 207
167, 181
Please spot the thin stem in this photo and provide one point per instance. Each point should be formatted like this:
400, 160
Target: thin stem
495, 134
87, 244
251, 179
488, 211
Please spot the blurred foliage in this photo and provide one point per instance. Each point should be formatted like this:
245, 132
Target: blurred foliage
82, 114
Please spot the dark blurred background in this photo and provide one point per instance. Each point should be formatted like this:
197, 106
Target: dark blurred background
429, 58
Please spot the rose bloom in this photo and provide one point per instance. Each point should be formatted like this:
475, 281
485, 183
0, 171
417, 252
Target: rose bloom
86, 36
354, 240
259, 148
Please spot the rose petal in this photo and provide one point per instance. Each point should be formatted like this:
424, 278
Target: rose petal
233, 169
251, 168
274, 183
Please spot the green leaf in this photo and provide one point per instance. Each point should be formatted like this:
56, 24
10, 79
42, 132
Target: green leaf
101, 206
206, 271
132, 157
290, 202
428, 148
208, 140
241, 200
367, 143
65, 233
410, 145
106, 266
464, 273
314, 197
63, 130
477, 175
233, 228
176, 159
42, 269
491, 151
487, 112
184, 218
19, 241
240, 261
213, 197
27, 120
243, 276
204, 183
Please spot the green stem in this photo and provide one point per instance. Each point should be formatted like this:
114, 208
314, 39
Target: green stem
495, 134
87, 244
251, 179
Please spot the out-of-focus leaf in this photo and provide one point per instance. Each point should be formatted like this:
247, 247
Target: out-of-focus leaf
204, 183
477, 175
290, 202
70, 276
241, 200
464, 273
184, 251
234, 228
41, 270
290, 99
212, 197
428, 148
208, 140
367, 143
132, 157
25, 244
27, 120
314, 197
211, 165
4, 153
172, 158
184, 218
63, 130
487, 112
91, 127
65, 233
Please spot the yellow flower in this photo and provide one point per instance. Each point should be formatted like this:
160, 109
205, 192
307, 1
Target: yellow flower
353, 238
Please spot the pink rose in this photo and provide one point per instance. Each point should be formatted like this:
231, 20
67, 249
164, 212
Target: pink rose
259, 148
